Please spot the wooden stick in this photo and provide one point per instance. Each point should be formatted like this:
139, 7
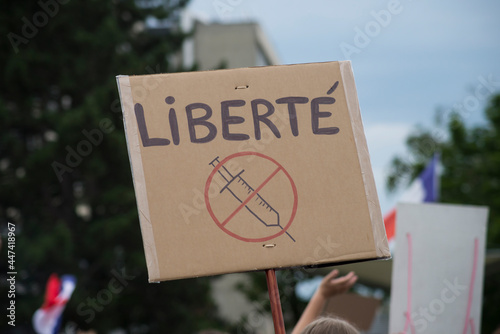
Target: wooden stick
274, 298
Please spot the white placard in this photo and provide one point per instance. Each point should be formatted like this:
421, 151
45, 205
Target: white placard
437, 277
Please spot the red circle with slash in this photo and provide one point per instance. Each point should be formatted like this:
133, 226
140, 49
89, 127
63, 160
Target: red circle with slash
242, 205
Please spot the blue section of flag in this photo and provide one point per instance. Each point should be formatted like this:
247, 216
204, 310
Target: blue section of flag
429, 178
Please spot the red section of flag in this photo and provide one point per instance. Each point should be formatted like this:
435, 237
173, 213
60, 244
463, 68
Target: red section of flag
53, 289
47, 319
425, 188
390, 224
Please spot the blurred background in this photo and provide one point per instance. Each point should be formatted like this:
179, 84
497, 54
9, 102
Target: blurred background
428, 80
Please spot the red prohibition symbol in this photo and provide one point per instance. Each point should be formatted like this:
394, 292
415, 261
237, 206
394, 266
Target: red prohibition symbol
251, 194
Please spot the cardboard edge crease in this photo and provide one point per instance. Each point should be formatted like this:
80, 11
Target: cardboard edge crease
134, 151
378, 228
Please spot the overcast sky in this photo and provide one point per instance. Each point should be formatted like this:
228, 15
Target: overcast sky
409, 58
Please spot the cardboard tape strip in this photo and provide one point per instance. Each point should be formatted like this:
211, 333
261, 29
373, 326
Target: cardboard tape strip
378, 228
134, 151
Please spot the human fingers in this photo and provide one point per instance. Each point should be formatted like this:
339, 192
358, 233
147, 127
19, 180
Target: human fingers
342, 284
331, 275
351, 282
343, 279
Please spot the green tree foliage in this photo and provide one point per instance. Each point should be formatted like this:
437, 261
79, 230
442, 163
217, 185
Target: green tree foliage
470, 157
65, 178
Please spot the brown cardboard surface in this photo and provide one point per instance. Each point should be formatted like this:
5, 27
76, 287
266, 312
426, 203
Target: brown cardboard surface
357, 310
284, 191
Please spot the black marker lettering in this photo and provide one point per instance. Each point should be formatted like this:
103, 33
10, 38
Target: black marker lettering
172, 118
227, 119
193, 122
143, 130
263, 118
292, 112
331, 90
174, 127
316, 115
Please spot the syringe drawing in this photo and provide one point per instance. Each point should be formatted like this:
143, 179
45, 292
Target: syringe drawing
239, 188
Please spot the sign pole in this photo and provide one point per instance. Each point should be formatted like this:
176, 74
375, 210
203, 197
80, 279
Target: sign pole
274, 298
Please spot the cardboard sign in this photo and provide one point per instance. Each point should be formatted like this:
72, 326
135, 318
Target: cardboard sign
356, 309
252, 168
437, 277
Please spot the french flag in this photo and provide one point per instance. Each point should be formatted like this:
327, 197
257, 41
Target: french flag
425, 188
47, 319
